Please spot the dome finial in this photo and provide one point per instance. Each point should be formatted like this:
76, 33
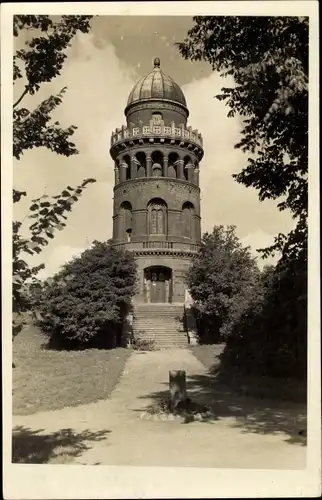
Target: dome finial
156, 62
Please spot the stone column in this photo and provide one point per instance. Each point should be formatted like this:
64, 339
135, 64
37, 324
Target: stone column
116, 175
190, 170
196, 176
134, 167
180, 166
167, 295
165, 166
123, 167
148, 166
148, 291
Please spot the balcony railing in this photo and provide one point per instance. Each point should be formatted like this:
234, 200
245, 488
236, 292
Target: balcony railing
158, 245
173, 131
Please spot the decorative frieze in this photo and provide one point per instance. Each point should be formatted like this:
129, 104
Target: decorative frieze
160, 130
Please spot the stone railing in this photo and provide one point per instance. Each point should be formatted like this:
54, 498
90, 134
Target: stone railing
172, 131
158, 245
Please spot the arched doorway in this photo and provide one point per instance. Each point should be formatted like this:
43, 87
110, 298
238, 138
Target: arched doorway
158, 284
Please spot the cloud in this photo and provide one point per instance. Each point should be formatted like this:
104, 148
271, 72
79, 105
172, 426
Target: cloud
223, 200
98, 85
260, 239
59, 255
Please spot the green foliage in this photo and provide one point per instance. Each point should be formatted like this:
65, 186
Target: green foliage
267, 58
221, 281
89, 297
270, 94
270, 337
142, 344
40, 61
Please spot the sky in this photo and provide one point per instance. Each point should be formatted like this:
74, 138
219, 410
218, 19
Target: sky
99, 73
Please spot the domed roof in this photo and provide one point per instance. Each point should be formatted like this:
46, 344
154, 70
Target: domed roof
156, 85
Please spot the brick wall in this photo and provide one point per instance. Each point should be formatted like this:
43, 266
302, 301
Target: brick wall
140, 192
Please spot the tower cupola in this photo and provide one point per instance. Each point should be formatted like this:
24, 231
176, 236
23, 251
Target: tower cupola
157, 86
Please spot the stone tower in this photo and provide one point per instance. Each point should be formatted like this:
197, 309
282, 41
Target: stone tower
156, 210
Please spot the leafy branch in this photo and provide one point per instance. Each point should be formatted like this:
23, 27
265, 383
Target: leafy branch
40, 61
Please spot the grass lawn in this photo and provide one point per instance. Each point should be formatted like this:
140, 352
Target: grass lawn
50, 380
208, 354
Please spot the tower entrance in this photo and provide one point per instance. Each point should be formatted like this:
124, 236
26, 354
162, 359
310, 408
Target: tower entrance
158, 284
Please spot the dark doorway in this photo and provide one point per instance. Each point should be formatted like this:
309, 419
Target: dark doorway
158, 284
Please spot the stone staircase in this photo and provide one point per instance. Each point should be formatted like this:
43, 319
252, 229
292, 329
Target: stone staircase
161, 324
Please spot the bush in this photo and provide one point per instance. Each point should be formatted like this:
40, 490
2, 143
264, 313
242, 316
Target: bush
142, 344
270, 338
222, 280
86, 303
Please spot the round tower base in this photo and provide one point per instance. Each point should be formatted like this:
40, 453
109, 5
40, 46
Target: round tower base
161, 278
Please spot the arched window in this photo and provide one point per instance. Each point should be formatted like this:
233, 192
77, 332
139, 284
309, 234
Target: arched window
156, 170
187, 220
157, 210
160, 221
172, 167
154, 221
127, 161
141, 164
126, 221
157, 164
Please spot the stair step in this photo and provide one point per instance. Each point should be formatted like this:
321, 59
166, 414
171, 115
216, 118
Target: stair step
161, 324
158, 320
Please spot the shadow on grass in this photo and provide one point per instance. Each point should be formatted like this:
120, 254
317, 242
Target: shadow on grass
32, 447
251, 415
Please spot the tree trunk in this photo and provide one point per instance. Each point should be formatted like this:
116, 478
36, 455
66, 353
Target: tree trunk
177, 386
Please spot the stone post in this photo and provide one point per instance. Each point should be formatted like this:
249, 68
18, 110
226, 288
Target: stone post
178, 387
165, 166
148, 166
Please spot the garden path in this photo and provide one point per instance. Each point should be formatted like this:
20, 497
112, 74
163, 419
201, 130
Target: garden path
243, 433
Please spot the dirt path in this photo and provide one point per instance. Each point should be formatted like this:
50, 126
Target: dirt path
244, 433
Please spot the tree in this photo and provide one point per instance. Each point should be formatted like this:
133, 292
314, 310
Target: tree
221, 281
270, 337
40, 61
267, 57
89, 298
